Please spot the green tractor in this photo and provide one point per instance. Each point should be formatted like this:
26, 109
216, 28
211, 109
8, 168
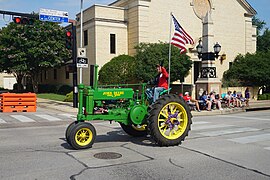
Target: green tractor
167, 121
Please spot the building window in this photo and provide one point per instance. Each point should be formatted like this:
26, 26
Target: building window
55, 74
85, 36
112, 43
67, 75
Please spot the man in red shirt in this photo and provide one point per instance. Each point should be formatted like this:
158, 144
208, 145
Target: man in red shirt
162, 81
191, 101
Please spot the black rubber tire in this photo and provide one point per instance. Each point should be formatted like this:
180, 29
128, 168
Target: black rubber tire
79, 127
153, 122
70, 126
130, 130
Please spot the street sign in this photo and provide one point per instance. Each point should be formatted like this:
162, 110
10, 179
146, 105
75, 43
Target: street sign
82, 62
53, 15
81, 52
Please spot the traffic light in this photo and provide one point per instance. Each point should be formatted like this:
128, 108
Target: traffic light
69, 40
23, 20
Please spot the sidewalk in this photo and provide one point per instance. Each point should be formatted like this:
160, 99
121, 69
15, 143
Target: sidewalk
56, 105
68, 107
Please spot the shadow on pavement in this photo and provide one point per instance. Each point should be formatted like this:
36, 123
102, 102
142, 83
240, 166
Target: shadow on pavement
117, 136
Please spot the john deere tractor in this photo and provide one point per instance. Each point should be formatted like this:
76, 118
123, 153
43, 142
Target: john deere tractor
167, 121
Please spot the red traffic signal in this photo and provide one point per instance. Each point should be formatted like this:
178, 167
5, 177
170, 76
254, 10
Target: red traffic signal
17, 20
23, 20
68, 33
69, 43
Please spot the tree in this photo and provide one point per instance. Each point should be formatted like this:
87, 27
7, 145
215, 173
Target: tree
259, 23
148, 55
263, 39
119, 70
263, 43
29, 49
250, 70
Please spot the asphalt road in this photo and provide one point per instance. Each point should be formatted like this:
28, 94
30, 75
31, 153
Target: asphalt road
235, 146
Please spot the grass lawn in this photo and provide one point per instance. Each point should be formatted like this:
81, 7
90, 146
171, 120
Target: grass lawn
51, 96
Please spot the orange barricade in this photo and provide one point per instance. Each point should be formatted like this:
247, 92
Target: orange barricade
12, 102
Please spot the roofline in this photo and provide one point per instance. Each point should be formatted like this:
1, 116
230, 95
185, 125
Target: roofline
116, 1
249, 7
101, 5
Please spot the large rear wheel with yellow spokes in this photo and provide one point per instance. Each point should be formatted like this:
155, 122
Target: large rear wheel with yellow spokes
169, 120
82, 135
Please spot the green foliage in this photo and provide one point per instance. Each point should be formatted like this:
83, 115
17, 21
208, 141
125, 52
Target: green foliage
69, 97
148, 55
259, 23
51, 96
28, 49
250, 70
17, 86
120, 70
64, 89
264, 96
263, 41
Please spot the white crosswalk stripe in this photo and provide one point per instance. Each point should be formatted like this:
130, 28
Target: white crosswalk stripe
248, 118
202, 127
48, 117
200, 122
2, 121
251, 139
267, 148
22, 118
227, 131
71, 116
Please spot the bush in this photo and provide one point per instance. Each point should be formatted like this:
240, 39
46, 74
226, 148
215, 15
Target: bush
17, 86
47, 88
69, 97
264, 96
29, 88
64, 89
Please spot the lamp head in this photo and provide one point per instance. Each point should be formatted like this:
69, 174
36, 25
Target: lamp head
217, 48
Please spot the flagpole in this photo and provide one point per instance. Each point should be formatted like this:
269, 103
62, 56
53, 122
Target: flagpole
170, 50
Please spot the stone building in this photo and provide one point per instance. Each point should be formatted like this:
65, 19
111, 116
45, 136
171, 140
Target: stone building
114, 29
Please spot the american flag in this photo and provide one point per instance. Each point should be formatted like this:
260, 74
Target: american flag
180, 37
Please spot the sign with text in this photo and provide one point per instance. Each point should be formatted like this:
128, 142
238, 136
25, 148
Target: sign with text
82, 62
53, 15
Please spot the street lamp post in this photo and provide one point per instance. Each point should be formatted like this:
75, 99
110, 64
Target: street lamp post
208, 79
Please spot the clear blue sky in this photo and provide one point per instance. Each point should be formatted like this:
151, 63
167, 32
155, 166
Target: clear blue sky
73, 7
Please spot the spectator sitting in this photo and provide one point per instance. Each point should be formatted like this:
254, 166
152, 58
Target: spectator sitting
204, 97
215, 100
235, 99
241, 99
191, 101
228, 99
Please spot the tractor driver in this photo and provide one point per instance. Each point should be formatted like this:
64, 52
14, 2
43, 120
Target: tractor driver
161, 81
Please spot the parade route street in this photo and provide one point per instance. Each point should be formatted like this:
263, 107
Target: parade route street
232, 146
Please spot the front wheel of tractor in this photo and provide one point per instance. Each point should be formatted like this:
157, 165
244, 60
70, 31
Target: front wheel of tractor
82, 135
